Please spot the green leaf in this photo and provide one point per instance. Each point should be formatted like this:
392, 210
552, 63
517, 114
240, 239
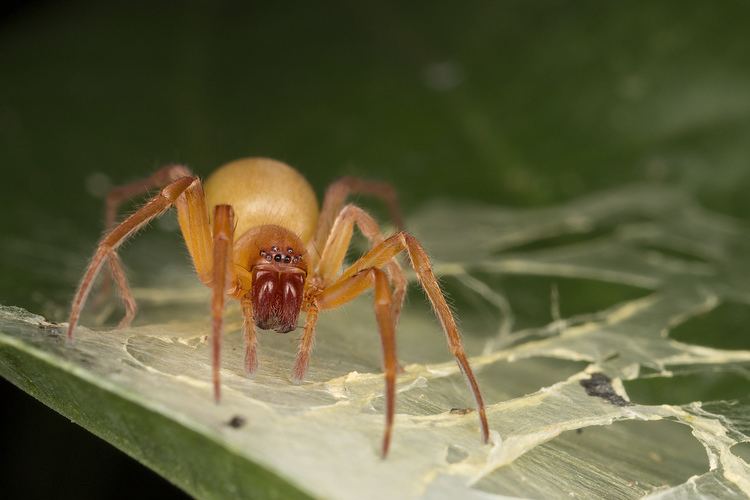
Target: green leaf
562, 419
512, 103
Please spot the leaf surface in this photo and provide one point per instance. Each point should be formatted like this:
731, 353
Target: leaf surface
562, 417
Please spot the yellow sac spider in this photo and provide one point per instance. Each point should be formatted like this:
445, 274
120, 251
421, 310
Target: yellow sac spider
253, 234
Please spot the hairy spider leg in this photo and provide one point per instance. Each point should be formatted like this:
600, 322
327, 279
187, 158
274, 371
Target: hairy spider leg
109, 243
306, 344
248, 334
346, 290
381, 254
118, 273
193, 219
187, 194
328, 267
223, 276
338, 242
119, 194
340, 190
192, 216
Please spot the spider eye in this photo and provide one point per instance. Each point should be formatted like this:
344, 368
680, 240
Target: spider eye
277, 257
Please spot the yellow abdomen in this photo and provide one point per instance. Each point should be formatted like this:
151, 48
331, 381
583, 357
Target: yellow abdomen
263, 191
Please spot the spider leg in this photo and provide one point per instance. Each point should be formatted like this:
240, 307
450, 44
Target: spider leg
329, 265
157, 180
305, 345
192, 215
381, 254
191, 209
345, 290
338, 243
109, 243
339, 191
118, 273
120, 194
248, 332
387, 327
223, 276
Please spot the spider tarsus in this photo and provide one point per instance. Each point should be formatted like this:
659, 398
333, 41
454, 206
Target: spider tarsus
297, 378
485, 426
251, 362
386, 444
300, 370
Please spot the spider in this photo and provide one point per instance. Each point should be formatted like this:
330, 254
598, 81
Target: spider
254, 234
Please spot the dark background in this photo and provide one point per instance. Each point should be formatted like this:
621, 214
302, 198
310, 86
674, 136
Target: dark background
514, 103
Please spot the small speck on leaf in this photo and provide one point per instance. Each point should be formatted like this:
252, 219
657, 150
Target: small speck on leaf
461, 411
600, 386
236, 422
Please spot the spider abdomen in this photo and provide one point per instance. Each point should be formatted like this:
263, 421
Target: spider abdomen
264, 192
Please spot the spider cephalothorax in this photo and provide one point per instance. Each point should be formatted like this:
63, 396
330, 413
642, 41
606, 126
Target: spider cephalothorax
255, 235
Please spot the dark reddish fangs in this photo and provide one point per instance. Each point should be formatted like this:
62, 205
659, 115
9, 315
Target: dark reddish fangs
277, 298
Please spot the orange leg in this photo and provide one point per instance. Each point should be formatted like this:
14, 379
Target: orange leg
118, 273
348, 289
340, 190
380, 255
107, 248
330, 263
120, 194
387, 327
306, 345
248, 332
223, 276
153, 208
192, 215
157, 180
338, 243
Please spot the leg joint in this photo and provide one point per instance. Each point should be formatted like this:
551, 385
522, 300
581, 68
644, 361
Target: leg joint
176, 188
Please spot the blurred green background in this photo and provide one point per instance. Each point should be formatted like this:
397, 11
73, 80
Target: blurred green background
511, 103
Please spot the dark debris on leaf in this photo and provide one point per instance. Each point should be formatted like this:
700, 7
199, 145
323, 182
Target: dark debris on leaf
236, 422
600, 386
